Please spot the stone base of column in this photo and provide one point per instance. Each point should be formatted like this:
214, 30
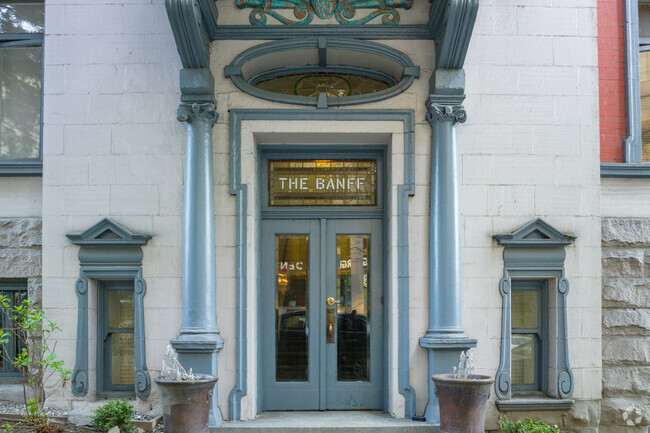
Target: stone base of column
443, 356
201, 357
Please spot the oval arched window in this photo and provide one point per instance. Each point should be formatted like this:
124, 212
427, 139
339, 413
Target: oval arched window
318, 70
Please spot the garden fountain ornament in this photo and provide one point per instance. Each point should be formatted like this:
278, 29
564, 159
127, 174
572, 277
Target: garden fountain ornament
462, 396
185, 396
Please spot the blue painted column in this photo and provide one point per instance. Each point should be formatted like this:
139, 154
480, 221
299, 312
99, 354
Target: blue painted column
199, 339
444, 338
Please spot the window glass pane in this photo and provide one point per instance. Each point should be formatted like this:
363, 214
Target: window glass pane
122, 359
523, 359
644, 21
524, 309
644, 70
20, 103
19, 17
333, 85
353, 311
291, 306
120, 309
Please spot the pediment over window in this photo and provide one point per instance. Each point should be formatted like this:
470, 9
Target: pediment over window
108, 233
536, 234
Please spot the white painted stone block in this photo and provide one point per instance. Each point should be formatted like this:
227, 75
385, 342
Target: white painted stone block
134, 200
510, 200
575, 51
94, 78
545, 21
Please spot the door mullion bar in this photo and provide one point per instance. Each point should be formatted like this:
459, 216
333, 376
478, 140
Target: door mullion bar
321, 305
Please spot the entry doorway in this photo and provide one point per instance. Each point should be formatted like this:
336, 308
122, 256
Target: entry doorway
321, 310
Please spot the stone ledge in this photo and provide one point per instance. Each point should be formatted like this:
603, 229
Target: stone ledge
534, 404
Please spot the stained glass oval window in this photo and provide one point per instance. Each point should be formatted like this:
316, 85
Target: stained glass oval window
332, 84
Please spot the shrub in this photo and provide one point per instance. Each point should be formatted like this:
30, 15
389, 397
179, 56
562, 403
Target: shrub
529, 425
114, 413
36, 359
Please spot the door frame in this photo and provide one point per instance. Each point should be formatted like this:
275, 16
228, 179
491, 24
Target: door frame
337, 151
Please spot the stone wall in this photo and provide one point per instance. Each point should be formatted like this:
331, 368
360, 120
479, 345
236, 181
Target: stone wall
626, 324
20, 257
20, 252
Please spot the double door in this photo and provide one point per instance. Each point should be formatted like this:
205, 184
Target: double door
321, 314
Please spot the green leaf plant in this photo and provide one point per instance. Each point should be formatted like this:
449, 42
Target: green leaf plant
35, 358
529, 425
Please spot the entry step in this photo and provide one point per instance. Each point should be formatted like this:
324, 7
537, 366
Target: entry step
326, 422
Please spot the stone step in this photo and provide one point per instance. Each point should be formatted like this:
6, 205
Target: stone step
326, 422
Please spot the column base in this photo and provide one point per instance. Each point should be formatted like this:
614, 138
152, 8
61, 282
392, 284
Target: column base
443, 356
201, 356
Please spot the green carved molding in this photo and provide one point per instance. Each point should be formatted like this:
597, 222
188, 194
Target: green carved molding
344, 11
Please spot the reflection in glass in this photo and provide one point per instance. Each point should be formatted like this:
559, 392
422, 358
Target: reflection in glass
353, 311
523, 359
122, 359
120, 308
20, 110
291, 306
21, 17
644, 70
524, 309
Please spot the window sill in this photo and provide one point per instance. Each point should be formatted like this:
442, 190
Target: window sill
116, 394
34, 169
534, 404
629, 170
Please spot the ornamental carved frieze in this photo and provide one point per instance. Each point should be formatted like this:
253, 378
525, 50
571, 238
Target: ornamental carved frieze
344, 11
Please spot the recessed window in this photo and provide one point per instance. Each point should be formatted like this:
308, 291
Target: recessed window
644, 75
16, 293
21, 39
116, 360
333, 85
528, 335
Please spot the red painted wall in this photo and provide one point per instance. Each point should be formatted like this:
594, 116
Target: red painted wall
611, 79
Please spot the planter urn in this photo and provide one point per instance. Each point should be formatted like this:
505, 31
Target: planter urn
186, 403
462, 402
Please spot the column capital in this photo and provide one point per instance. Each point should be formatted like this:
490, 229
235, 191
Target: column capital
205, 112
445, 113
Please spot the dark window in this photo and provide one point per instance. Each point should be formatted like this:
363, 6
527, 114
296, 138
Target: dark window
115, 354
21, 40
529, 345
16, 292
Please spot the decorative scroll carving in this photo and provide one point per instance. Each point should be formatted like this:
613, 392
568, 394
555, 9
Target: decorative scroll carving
203, 112
446, 113
80, 373
343, 10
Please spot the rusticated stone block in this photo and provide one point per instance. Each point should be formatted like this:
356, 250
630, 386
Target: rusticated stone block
20, 232
35, 290
626, 381
622, 263
630, 412
625, 232
626, 322
628, 293
20, 262
633, 351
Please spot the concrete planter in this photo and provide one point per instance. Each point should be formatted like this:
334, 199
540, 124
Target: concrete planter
462, 402
186, 403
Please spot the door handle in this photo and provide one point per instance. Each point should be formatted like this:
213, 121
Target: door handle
330, 325
331, 301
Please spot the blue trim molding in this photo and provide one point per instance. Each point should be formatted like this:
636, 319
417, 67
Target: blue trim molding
321, 45
240, 190
535, 251
452, 23
110, 251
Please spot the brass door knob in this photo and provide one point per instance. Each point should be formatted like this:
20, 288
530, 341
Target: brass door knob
331, 301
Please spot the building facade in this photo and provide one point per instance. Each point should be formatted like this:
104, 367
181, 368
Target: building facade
332, 200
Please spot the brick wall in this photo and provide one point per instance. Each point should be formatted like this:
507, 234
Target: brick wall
611, 79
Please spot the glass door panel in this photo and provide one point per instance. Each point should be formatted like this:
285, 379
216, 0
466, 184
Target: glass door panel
353, 310
291, 306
